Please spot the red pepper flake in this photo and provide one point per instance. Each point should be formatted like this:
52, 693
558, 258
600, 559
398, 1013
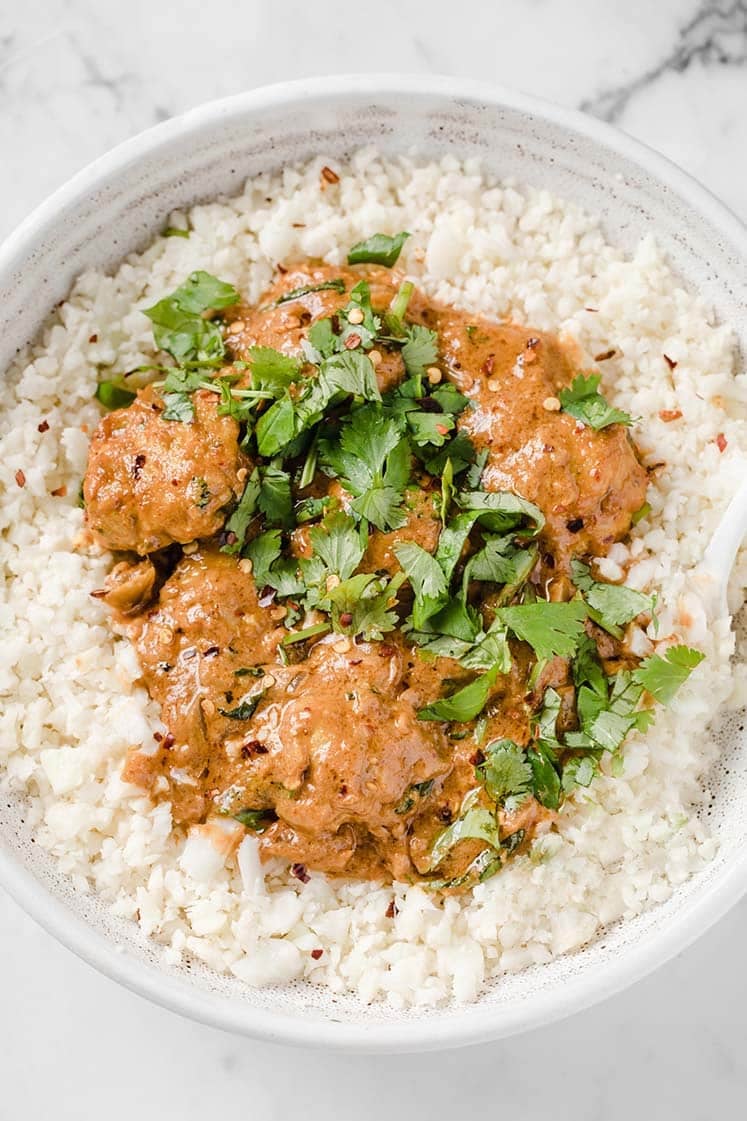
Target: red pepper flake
669, 414
211, 651
442, 429
168, 741
300, 873
43, 427
605, 355
392, 909
267, 596
445, 815
591, 309
137, 465
346, 618
488, 365
670, 362
532, 343
316, 954
329, 176
385, 650
253, 747
93, 338
59, 492
157, 736
352, 341
721, 442
20, 478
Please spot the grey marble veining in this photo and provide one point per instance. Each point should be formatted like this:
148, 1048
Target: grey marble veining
76, 77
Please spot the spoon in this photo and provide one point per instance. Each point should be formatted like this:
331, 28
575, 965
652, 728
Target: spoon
713, 572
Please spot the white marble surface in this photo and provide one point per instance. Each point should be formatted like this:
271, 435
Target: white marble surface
77, 76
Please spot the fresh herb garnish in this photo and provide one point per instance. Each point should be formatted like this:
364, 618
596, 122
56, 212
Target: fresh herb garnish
584, 402
613, 604
112, 395
256, 820
336, 285
244, 710
380, 249
663, 676
179, 323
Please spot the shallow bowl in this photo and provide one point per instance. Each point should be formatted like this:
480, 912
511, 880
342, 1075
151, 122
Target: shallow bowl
116, 206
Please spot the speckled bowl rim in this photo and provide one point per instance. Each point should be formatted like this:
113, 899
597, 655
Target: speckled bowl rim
483, 1024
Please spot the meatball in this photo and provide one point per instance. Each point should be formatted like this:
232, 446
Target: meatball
151, 482
587, 483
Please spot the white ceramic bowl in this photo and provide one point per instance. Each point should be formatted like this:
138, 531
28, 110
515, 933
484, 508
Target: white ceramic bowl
116, 205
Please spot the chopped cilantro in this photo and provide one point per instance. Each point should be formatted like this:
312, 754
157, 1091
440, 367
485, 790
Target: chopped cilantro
550, 628
238, 523
256, 820
584, 402
336, 285
179, 326
175, 231
662, 676
614, 604
465, 704
372, 460
506, 774
275, 499
178, 407
380, 249
245, 709
420, 349
362, 605
474, 822
112, 395
271, 370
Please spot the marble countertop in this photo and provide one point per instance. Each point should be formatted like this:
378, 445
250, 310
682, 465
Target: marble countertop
78, 76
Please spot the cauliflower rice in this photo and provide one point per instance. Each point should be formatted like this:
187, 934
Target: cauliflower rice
71, 702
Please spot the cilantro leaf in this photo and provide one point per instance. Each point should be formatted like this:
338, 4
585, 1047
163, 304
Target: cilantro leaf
178, 407
245, 709
500, 561
500, 511
584, 402
506, 773
256, 820
429, 428
277, 427
614, 603
474, 822
180, 380
178, 323
275, 500
491, 650
663, 676
336, 285
578, 771
420, 349
371, 459
380, 249
239, 521
112, 395
338, 544
465, 704
273, 371
427, 580
364, 605
545, 778
550, 628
